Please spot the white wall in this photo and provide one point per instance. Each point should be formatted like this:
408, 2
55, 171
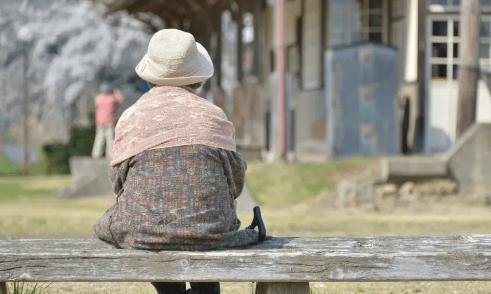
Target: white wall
484, 103
411, 49
442, 113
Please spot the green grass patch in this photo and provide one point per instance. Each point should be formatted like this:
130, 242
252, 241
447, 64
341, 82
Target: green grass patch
8, 167
27, 209
16, 187
280, 184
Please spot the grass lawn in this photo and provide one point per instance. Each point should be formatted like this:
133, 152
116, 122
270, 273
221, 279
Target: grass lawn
7, 167
281, 184
296, 199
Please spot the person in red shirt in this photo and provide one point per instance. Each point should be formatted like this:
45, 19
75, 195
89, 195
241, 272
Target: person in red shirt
106, 104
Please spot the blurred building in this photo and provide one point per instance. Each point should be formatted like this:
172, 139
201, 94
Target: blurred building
442, 57
250, 49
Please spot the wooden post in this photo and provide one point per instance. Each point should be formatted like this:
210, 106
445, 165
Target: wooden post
218, 48
469, 64
2, 121
240, 48
25, 111
280, 69
258, 38
3, 288
421, 78
282, 288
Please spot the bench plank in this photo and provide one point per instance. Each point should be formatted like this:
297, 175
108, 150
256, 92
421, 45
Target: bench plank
276, 260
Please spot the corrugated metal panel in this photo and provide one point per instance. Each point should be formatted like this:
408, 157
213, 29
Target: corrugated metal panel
362, 82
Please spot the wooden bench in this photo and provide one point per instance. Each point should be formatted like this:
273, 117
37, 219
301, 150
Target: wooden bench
280, 265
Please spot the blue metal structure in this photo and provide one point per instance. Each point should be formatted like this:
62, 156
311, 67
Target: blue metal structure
362, 83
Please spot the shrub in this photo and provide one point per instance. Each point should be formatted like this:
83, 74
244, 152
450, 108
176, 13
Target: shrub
81, 140
57, 155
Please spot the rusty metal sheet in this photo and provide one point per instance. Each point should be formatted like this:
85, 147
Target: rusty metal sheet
362, 83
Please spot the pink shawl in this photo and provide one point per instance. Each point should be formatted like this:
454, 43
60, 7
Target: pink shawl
168, 117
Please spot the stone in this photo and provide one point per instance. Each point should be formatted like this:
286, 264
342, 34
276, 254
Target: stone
407, 192
387, 190
90, 178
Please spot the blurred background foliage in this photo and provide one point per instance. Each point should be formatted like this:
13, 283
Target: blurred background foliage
56, 156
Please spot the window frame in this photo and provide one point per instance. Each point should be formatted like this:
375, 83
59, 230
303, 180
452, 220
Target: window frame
365, 29
448, 61
451, 40
450, 7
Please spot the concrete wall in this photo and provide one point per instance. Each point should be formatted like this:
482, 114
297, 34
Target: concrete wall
310, 123
90, 178
312, 45
469, 160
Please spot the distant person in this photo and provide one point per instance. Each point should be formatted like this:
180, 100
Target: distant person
175, 169
106, 105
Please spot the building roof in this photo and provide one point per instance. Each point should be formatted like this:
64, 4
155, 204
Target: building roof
197, 16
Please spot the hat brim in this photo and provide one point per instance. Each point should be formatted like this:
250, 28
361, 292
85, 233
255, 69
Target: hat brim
149, 71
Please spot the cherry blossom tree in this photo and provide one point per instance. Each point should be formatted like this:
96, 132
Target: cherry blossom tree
70, 47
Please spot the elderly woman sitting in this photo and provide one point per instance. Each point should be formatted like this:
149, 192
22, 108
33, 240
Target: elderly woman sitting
175, 169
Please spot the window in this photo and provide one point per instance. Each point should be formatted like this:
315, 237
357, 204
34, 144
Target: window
440, 28
444, 46
439, 50
373, 16
439, 71
350, 21
447, 3
454, 4
485, 46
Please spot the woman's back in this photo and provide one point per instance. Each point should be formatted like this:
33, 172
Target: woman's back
177, 198
174, 167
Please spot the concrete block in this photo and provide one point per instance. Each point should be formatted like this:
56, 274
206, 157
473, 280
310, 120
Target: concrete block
90, 178
250, 152
401, 169
469, 160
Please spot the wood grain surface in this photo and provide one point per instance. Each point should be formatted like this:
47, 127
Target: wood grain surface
422, 258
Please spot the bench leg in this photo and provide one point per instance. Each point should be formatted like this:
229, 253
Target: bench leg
282, 288
3, 288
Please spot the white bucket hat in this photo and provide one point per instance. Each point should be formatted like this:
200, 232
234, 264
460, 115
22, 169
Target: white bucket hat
174, 58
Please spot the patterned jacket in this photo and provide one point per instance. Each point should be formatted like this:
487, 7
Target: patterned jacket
176, 198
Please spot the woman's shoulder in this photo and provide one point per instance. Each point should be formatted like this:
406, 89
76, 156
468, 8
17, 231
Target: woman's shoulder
136, 107
183, 156
191, 151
